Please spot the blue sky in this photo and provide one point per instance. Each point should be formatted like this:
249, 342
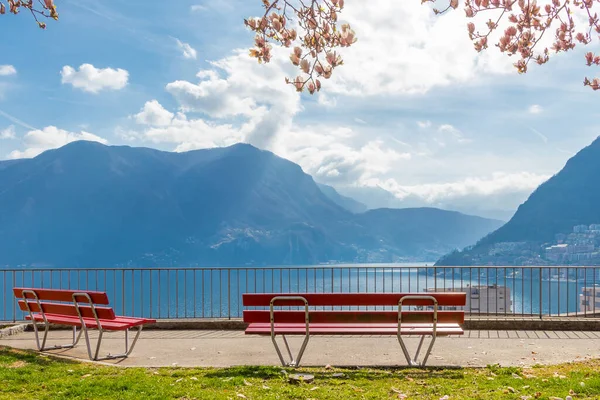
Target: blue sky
414, 110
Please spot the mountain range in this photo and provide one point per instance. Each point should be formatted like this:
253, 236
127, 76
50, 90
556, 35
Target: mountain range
500, 207
568, 199
87, 204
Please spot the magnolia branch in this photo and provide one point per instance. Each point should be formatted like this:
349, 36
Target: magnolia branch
524, 24
14, 6
314, 51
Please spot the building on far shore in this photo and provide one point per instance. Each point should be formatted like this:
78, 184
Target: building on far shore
589, 299
482, 299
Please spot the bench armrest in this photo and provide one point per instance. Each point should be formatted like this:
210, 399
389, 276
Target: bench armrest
88, 300
272, 314
37, 300
434, 302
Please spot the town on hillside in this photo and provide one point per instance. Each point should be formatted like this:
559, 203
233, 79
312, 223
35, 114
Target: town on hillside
580, 246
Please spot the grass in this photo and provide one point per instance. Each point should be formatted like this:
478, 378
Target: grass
29, 375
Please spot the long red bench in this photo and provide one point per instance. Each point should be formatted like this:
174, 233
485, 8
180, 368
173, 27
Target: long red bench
304, 319
79, 309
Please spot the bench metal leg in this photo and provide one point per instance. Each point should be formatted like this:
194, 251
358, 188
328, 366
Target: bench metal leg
414, 361
42, 346
128, 349
294, 362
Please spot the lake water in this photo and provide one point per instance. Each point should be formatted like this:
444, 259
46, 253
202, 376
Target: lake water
212, 293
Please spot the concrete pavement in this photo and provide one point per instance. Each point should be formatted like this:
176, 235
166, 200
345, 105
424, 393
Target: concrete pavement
213, 348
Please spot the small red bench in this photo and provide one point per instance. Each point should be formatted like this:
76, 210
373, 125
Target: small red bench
307, 321
79, 309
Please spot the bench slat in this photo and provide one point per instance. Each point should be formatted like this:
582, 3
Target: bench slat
281, 316
62, 295
354, 329
68, 309
353, 299
117, 324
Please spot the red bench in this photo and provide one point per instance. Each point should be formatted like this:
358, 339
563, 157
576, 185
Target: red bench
307, 321
79, 309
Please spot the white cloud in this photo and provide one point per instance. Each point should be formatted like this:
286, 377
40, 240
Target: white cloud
435, 193
6, 70
535, 109
360, 121
189, 134
38, 141
91, 79
128, 135
154, 113
424, 124
404, 48
8, 133
188, 51
326, 101
450, 132
198, 7
337, 154
255, 93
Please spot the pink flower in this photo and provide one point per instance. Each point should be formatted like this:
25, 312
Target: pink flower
276, 25
299, 84
294, 59
471, 27
305, 66
589, 58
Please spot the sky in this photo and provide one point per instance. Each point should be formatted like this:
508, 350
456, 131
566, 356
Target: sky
414, 109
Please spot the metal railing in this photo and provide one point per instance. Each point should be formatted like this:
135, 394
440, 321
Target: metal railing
168, 293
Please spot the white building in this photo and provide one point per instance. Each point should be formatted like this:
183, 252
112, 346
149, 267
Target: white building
589, 299
483, 299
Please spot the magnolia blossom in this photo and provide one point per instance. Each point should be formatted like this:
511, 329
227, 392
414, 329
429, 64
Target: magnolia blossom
524, 22
314, 48
14, 6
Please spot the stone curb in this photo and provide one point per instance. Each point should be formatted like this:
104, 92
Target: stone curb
12, 330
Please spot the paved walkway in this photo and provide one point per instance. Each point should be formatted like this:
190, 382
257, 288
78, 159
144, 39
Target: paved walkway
226, 348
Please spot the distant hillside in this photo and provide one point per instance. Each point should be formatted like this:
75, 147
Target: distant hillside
87, 204
569, 198
395, 228
346, 202
499, 208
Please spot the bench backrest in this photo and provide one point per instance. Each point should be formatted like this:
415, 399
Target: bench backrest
453, 299
457, 299
60, 295
58, 301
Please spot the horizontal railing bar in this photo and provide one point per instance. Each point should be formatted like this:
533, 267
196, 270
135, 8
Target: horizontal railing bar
295, 267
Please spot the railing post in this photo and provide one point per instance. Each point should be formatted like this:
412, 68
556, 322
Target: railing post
229, 294
14, 302
540, 283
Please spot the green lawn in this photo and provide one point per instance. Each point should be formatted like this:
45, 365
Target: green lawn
29, 375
